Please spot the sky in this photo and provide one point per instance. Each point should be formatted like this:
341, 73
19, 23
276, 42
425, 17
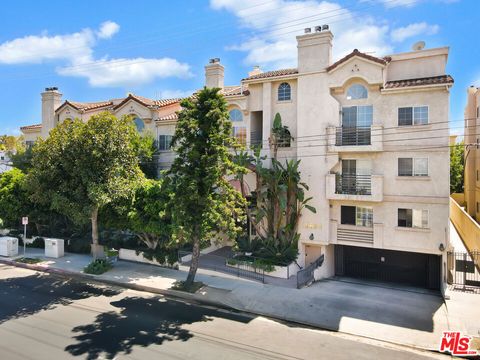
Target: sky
94, 51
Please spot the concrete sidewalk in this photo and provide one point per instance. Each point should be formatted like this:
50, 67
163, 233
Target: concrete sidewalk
400, 316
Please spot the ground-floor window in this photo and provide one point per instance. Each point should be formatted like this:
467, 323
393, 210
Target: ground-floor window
356, 215
413, 218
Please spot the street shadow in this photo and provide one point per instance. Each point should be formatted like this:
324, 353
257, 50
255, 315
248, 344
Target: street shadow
25, 296
140, 322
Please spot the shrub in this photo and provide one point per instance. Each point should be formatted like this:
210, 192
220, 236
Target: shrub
263, 264
97, 267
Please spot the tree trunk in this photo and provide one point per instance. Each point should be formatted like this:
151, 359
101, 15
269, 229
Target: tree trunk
195, 258
97, 249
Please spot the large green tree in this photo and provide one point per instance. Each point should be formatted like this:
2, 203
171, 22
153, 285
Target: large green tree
457, 167
82, 167
13, 197
204, 204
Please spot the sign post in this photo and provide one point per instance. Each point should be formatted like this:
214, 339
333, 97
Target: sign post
24, 223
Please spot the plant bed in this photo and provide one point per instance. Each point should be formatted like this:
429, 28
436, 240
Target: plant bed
28, 260
97, 267
143, 257
266, 265
180, 286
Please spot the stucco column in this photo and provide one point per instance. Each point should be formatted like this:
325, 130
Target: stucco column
267, 114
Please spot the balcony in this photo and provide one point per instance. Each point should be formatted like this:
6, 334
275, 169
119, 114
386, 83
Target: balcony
356, 235
355, 139
354, 187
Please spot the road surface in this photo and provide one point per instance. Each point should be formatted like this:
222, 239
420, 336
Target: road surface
47, 317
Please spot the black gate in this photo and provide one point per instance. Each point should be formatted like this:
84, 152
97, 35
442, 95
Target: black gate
464, 268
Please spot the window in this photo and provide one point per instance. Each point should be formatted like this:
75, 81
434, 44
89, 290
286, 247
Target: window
240, 133
236, 115
478, 111
412, 166
357, 91
417, 115
477, 207
164, 142
284, 92
357, 116
356, 215
139, 124
413, 218
29, 143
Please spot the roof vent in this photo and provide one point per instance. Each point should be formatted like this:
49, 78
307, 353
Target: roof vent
318, 28
214, 60
53, 88
308, 30
325, 27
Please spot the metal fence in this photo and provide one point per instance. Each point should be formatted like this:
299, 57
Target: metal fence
226, 264
353, 184
305, 276
464, 268
359, 135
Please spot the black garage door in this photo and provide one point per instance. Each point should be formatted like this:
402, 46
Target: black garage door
422, 270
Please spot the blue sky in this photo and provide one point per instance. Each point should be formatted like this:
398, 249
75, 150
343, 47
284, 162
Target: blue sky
100, 50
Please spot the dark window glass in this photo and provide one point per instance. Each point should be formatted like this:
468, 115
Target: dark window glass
405, 116
284, 92
405, 217
164, 142
347, 215
405, 167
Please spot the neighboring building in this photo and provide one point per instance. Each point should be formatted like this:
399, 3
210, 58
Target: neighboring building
5, 163
472, 154
372, 136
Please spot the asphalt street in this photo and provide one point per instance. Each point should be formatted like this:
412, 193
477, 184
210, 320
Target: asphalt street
47, 317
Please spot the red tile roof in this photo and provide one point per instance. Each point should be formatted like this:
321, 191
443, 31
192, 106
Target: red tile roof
274, 73
31, 127
147, 102
434, 80
355, 52
172, 116
235, 90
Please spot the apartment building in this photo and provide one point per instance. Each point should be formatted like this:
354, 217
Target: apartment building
372, 137
472, 154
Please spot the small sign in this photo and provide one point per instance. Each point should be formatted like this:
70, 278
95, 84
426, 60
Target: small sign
25, 220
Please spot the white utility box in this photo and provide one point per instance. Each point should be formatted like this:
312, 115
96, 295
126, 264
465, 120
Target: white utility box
8, 246
54, 248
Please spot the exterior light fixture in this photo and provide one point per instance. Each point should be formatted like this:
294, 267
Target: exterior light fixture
441, 247
311, 237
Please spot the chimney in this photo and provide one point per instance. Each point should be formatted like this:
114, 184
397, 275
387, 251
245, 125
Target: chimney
51, 100
255, 71
214, 74
314, 49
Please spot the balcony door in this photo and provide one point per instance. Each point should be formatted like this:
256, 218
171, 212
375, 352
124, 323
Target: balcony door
356, 123
356, 176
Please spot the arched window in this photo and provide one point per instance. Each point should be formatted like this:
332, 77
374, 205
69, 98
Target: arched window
357, 91
139, 124
284, 92
236, 115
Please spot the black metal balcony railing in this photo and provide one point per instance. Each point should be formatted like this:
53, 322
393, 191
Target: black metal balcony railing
353, 184
360, 135
256, 138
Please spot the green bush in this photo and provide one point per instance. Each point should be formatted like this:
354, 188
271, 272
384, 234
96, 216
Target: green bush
263, 264
97, 267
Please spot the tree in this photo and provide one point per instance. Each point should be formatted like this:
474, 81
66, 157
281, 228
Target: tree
146, 149
82, 167
204, 204
279, 198
13, 197
457, 164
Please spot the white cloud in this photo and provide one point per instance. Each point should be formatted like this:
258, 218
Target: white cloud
127, 72
108, 29
76, 52
422, 28
37, 49
273, 43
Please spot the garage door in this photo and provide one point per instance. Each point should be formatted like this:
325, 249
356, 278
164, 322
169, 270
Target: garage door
422, 270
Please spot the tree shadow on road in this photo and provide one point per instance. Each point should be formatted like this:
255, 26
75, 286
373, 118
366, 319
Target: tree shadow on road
140, 322
27, 295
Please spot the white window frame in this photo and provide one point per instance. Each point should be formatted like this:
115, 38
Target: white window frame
413, 115
414, 169
165, 137
283, 94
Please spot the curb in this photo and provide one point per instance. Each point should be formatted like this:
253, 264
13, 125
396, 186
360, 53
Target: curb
180, 295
